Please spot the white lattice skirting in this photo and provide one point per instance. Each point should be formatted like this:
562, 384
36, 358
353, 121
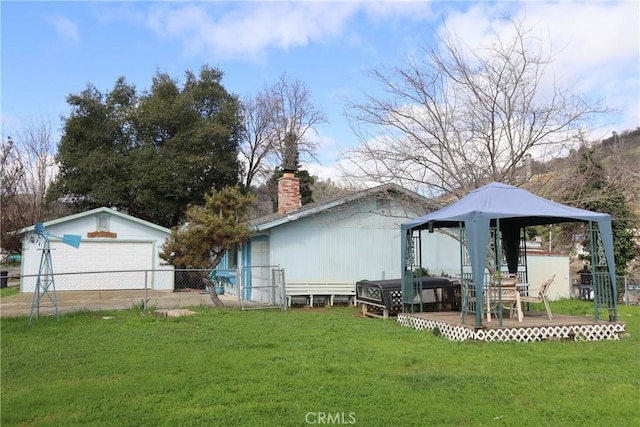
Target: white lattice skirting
594, 332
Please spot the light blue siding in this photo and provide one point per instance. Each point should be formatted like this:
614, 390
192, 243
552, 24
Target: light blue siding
352, 243
440, 253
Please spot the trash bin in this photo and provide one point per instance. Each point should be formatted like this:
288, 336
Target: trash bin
4, 279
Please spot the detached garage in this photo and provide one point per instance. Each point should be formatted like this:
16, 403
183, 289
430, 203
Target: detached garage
111, 241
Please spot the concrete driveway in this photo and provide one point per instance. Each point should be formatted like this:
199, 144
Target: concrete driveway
68, 301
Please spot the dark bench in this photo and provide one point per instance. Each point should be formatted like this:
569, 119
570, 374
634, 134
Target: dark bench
386, 295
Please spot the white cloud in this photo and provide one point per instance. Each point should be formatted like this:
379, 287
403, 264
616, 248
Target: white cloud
598, 34
250, 28
597, 45
384, 12
66, 28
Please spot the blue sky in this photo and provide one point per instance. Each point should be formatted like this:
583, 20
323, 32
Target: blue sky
53, 49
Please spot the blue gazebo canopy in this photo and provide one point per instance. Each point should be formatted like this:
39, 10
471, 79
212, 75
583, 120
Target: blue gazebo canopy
513, 208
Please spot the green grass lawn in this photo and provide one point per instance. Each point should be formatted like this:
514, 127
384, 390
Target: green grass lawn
268, 368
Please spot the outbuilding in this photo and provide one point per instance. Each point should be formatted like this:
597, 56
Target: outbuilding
110, 241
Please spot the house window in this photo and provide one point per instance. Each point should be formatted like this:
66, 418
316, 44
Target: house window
102, 223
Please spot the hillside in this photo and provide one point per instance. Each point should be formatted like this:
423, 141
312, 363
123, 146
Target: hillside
620, 158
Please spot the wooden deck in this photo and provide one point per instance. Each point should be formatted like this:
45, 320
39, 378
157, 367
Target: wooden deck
535, 326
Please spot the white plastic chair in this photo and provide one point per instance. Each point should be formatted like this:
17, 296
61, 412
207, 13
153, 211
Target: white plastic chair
541, 297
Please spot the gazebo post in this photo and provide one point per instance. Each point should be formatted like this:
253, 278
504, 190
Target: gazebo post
607, 295
464, 302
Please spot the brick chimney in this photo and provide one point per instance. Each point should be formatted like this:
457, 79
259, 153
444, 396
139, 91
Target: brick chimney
288, 193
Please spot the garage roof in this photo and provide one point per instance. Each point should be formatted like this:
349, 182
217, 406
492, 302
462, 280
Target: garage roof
95, 211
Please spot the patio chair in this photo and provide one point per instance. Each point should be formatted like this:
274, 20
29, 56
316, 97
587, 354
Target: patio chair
541, 297
503, 292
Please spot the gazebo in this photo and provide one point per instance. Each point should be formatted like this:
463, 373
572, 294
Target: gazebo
490, 221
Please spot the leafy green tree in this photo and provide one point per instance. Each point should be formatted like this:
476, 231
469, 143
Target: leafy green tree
210, 230
598, 193
149, 154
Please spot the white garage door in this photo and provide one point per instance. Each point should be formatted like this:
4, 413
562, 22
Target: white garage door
103, 265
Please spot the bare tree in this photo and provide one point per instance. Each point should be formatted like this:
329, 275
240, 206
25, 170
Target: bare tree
259, 136
37, 155
296, 115
11, 170
278, 121
11, 173
457, 118
28, 166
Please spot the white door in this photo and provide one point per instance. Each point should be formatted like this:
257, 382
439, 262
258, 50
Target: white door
260, 272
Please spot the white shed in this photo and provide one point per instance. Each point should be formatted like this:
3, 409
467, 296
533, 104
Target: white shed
111, 241
541, 265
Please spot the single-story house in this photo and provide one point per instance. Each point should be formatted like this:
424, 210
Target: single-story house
339, 241
110, 241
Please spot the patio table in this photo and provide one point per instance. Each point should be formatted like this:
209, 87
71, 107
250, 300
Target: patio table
504, 294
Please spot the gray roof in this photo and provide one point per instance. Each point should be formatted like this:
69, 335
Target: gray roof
498, 200
275, 219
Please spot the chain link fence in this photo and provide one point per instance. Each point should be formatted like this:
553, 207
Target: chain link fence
247, 288
263, 286
631, 288
116, 290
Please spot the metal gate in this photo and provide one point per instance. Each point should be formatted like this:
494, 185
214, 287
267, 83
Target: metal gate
262, 286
